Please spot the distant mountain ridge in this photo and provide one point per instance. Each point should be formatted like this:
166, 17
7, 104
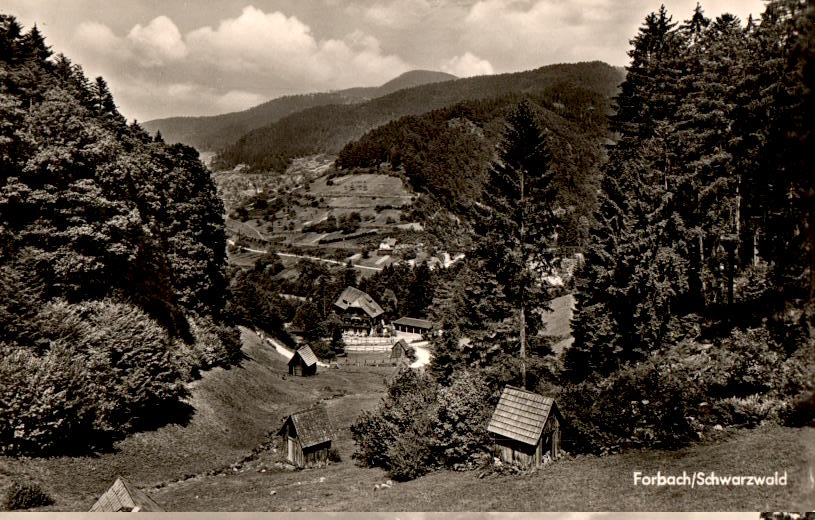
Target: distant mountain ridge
326, 129
211, 133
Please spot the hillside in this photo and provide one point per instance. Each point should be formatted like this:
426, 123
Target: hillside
446, 153
326, 129
235, 408
211, 133
111, 261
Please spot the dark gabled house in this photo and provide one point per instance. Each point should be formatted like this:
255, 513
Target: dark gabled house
303, 362
307, 437
358, 311
123, 497
524, 427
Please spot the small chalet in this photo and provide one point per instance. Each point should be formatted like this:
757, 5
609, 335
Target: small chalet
358, 311
307, 437
524, 427
401, 350
122, 497
303, 362
413, 325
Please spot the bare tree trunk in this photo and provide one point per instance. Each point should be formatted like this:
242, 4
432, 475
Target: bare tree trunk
523, 346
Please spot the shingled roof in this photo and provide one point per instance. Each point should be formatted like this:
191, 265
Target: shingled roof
123, 497
352, 297
521, 415
306, 354
312, 426
414, 322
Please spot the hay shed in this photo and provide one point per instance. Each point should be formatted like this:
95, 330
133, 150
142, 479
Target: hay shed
123, 497
303, 362
525, 426
307, 437
400, 349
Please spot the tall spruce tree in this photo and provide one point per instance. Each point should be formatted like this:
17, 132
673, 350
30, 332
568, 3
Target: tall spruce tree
517, 225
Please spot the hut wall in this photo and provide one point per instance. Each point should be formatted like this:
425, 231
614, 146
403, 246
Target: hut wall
299, 368
316, 455
512, 451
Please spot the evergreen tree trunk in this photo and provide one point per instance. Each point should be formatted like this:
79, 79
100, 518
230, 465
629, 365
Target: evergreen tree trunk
523, 345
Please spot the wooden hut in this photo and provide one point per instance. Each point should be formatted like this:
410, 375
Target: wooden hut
303, 362
307, 437
400, 349
122, 497
524, 427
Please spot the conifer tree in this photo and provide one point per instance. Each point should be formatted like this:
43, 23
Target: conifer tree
517, 226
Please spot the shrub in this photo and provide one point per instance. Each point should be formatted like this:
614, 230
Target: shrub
647, 404
26, 496
802, 411
410, 457
465, 408
108, 369
334, 455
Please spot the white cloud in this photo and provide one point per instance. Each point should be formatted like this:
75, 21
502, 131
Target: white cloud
157, 43
466, 65
530, 34
179, 98
246, 59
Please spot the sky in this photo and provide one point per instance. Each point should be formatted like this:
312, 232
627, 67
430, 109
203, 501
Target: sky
166, 58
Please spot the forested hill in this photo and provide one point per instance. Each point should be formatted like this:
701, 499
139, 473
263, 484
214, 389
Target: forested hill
329, 128
112, 258
446, 153
215, 132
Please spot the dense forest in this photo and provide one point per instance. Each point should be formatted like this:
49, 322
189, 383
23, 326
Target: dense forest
112, 258
446, 153
327, 129
212, 133
696, 300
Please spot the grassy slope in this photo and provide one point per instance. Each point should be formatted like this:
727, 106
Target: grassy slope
582, 484
234, 409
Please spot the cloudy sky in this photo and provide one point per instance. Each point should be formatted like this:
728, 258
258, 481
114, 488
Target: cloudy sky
194, 57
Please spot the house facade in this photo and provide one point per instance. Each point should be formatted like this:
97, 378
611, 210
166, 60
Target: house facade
358, 311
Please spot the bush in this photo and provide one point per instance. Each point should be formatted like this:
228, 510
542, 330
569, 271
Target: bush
410, 457
109, 368
802, 412
334, 455
26, 496
647, 404
465, 408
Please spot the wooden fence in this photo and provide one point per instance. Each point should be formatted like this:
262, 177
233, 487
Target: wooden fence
344, 362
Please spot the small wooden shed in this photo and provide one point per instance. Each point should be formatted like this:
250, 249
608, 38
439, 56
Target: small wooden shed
307, 437
400, 349
303, 362
123, 497
524, 427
